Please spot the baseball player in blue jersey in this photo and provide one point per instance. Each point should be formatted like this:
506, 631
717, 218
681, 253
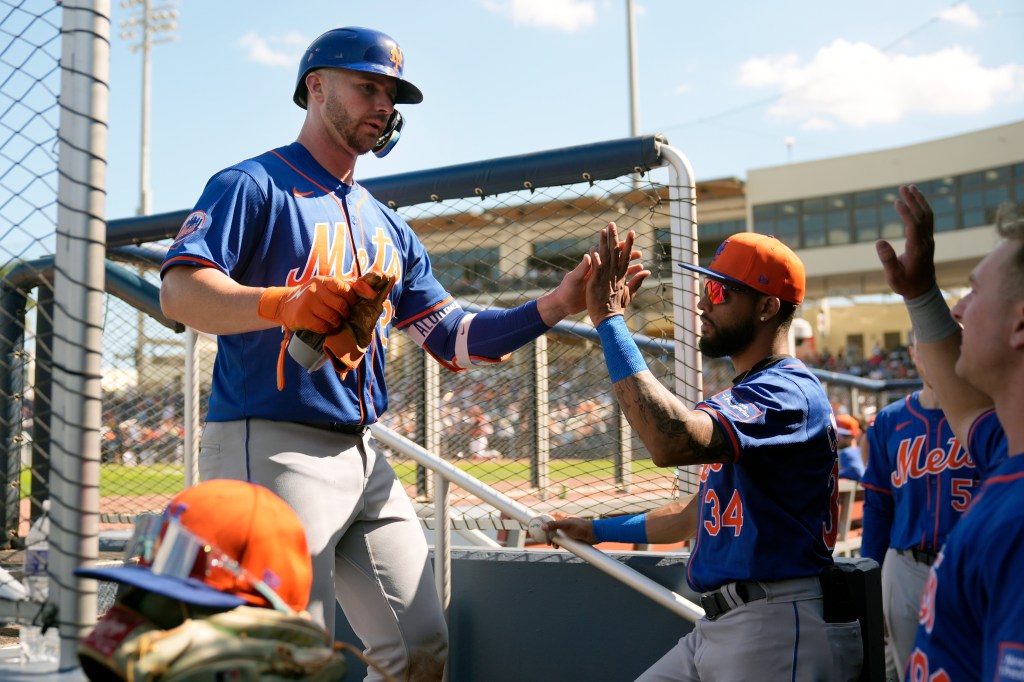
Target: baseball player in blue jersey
289, 241
919, 482
971, 618
766, 510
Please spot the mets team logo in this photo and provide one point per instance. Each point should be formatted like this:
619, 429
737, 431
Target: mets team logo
396, 58
192, 225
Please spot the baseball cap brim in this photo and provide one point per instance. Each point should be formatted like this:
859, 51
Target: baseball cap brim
844, 432
712, 273
189, 590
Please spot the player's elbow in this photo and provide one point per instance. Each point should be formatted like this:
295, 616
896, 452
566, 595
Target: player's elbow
169, 301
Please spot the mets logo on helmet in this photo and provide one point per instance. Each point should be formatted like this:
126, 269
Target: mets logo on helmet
396, 58
192, 225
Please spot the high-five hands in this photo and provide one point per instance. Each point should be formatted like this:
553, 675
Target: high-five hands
614, 278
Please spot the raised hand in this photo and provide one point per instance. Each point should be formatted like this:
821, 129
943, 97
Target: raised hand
614, 279
913, 273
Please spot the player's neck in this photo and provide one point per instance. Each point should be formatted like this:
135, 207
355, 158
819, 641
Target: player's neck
928, 399
763, 347
336, 160
1009, 404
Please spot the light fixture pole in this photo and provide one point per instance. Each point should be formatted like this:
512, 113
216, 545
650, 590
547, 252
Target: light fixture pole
151, 26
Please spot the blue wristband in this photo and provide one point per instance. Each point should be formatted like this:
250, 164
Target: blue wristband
620, 351
631, 529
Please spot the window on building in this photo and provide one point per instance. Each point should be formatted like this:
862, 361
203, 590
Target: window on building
959, 202
466, 270
892, 341
550, 259
709, 236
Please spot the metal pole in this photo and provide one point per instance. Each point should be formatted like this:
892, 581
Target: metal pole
78, 316
147, 43
515, 510
12, 372
42, 403
541, 461
683, 223
191, 381
634, 72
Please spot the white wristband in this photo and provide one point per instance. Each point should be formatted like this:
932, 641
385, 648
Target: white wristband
930, 316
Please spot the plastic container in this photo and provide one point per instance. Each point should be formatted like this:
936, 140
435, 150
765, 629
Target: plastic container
36, 646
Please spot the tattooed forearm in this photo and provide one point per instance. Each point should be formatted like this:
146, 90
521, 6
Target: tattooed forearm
666, 427
649, 405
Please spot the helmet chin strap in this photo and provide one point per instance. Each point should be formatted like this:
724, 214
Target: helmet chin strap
389, 137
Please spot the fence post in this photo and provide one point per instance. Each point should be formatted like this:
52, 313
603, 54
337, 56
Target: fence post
688, 361
430, 421
12, 340
42, 411
540, 460
79, 278
624, 451
190, 378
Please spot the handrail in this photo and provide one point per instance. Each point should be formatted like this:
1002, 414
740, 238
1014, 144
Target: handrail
642, 584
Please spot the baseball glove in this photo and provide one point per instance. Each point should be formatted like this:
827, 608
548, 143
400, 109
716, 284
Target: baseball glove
244, 644
347, 345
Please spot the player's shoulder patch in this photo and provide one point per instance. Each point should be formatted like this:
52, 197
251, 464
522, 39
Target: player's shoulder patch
735, 407
193, 225
1011, 661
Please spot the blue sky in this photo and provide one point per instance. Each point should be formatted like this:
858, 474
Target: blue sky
728, 83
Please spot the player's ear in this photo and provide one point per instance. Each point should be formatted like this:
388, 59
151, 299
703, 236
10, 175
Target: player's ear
769, 307
315, 85
1017, 331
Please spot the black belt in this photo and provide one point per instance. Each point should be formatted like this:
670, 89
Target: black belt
920, 555
338, 427
715, 603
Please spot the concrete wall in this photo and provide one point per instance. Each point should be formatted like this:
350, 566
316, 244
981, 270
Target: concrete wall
546, 615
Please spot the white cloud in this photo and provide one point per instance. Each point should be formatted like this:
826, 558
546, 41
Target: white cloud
858, 85
960, 14
562, 15
682, 89
818, 123
283, 50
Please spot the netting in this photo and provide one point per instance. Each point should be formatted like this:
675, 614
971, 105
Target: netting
501, 252
30, 48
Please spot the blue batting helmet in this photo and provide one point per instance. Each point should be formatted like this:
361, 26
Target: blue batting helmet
356, 49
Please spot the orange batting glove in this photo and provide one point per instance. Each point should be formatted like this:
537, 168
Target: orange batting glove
347, 346
319, 305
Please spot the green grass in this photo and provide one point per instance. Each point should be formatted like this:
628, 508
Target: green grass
519, 470
168, 479
117, 479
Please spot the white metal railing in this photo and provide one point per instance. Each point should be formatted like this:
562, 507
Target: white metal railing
442, 552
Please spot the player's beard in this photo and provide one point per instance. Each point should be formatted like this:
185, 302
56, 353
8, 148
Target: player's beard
728, 341
348, 127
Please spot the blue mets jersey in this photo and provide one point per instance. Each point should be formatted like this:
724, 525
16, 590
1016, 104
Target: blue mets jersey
280, 219
971, 624
919, 480
769, 514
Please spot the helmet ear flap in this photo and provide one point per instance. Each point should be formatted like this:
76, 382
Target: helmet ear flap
389, 137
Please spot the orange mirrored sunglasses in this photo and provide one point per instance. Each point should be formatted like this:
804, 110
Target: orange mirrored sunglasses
717, 291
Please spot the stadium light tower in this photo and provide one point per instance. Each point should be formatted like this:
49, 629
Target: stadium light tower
151, 25
634, 105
